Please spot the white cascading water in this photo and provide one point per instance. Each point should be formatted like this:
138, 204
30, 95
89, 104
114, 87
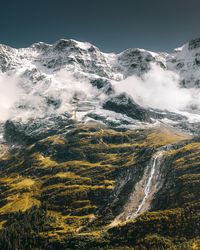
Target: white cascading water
144, 190
148, 186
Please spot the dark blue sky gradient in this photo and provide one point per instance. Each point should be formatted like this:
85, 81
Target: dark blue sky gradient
111, 25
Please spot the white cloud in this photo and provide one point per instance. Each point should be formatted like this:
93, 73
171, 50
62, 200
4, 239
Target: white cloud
9, 94
21, 99
160, 89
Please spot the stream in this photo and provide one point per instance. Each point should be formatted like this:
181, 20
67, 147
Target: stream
144, 190
149, 182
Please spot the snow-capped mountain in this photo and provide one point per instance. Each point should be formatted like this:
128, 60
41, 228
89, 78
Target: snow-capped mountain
71, 76
41, 59
77, 57
186, 62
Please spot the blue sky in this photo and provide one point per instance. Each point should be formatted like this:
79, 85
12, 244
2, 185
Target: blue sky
111, 25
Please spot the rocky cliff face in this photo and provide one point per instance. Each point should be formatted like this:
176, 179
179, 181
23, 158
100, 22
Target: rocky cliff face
186, 61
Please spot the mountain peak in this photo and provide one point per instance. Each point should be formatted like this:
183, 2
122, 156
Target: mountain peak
71, 43
40, 46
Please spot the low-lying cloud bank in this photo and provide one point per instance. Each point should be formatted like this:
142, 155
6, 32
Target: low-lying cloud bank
22, 99
159, 89
9, 94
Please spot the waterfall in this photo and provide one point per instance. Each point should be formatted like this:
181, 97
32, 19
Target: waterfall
2, 147
148, 187
144, 190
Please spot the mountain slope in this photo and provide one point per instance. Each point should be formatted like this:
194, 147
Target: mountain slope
80, 178
87, 159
